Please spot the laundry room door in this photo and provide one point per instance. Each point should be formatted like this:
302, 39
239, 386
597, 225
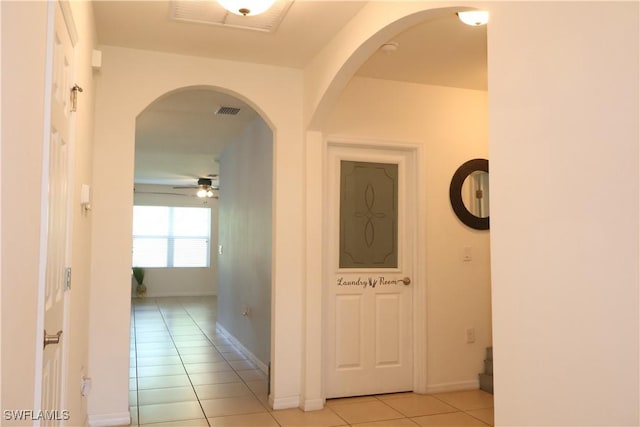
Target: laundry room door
370, 256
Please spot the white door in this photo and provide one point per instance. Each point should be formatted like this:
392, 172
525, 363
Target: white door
370, 251
57, 205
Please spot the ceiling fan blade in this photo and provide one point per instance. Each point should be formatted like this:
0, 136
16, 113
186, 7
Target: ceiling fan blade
203, 183
174, 194
162, 193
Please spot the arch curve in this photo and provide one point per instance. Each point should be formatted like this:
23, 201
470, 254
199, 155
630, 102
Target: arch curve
330, 71
263, 115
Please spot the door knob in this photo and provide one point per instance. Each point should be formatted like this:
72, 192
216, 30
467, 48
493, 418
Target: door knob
51, 339
406, 281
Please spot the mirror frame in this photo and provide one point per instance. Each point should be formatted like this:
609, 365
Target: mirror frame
455, 194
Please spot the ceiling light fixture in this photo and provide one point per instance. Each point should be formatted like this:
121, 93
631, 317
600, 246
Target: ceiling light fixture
474, 17
205, 191
247, 7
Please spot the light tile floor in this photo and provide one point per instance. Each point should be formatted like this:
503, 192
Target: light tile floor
186, 373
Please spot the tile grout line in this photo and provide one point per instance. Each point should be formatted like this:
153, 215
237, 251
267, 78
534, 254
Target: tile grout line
234, 370
476, 418
182, 362
135, 339
207, 326
462, 410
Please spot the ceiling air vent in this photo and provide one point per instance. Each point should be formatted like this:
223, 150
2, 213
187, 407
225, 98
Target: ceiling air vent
211, 12
229, 111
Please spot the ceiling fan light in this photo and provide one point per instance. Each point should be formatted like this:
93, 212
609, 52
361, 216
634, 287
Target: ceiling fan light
209, 193
247, 7
474, 17
201, 193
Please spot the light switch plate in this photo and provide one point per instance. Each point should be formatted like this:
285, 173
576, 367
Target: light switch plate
466, 254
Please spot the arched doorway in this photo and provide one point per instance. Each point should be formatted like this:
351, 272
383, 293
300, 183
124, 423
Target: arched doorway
202, 309
355, 109
112, 218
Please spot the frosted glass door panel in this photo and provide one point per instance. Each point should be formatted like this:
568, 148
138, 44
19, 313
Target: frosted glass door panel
368, 215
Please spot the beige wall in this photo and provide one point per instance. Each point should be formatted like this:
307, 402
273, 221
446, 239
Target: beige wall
563, 106
246, 169
162, 282
451, 126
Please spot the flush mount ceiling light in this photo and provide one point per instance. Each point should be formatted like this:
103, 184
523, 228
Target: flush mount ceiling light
211, 12
247, 7
474, 17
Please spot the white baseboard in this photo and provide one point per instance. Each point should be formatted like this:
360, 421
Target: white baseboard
276, 403
312, 404
234, 341
455, 386
110, 420
285, 402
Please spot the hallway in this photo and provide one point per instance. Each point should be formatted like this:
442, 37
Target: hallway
185, 373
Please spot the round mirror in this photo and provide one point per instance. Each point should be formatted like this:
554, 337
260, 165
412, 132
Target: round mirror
469, 193
475, 193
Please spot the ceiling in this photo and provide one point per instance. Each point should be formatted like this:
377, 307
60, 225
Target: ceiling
146, 25
179, 138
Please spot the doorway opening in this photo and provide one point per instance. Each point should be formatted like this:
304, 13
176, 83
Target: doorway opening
203, 209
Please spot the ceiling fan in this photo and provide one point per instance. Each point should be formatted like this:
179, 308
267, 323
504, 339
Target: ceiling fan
205, 187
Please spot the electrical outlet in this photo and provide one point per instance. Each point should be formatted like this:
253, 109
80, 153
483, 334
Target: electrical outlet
471, 335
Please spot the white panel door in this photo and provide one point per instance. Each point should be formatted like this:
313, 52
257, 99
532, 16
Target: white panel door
57, 205
370, 251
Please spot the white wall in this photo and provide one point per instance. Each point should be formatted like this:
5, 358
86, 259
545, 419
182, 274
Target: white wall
163, 282
246, 169
451, 125
24, 26
563, 109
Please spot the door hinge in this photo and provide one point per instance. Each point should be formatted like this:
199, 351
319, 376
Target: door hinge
67, 279
74, 97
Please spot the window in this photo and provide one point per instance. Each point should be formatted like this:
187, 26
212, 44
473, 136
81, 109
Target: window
165, 236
